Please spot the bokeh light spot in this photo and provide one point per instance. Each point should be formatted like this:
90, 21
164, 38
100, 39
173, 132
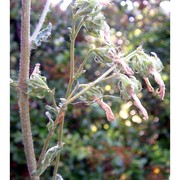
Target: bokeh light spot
93, 128
123, 114
106, 126
107, 87
128, 123
137, 32
136, 119
156, 170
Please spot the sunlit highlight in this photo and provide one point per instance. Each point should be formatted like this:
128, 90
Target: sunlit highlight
123, 114
93, 128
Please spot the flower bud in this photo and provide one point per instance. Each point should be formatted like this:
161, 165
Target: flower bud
37, 85
36, 70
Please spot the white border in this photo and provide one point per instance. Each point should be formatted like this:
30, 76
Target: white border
175, 90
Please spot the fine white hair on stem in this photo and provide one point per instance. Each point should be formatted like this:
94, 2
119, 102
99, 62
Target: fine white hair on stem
41, 20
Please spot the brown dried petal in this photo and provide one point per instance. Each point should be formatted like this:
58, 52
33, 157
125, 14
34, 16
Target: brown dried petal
150, 88
158, 79
138, 104
109, 114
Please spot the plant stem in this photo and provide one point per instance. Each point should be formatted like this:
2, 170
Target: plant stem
82, 64
52, 92
59, 143
129, 56
79, 27
71, 59
41, 20
22, 88
74, 34
50, 134
71, 80
90, 85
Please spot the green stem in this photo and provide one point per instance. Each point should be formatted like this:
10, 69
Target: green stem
49, 136
82, 64
129, 56
71, 80
52, 92
71, 59
79, 27
22, 88
59, 143
90, 85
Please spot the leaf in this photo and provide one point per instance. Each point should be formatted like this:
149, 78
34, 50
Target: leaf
48, 158
42, 36
37, 86
59, 177
50, 108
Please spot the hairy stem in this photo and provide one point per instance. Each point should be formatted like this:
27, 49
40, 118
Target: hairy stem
41, 20
22, 87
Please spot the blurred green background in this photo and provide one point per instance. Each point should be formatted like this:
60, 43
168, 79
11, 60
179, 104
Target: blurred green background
127, 149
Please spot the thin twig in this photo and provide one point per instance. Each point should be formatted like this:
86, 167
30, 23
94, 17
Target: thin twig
74, 90
83, 63
52, 92
41, 20
50, 134
79, 27
109, 77
129, 56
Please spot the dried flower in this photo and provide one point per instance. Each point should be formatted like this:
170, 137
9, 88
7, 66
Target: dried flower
106, 32
127, 70
137, 103
150, 65
129, 88
104, 2
36, 69
109, 114
158, 79
150, 88
117, 59
37, 86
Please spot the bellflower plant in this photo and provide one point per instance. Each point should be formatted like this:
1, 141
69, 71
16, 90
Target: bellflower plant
86, 14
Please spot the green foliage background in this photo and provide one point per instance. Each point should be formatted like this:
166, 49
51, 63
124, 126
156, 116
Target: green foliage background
129, 148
